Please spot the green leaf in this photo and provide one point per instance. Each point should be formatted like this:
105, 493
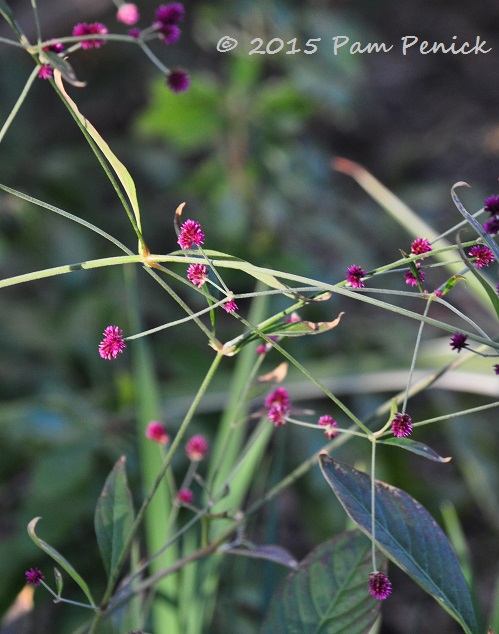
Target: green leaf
56, 556
63, 66
418, 448
300, 328
113, 516
59, 581
6, 11
493, 246
407, 534
328, 592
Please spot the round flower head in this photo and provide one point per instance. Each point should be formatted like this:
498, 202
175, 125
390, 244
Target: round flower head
169, 33
330, 424
414, 280
178, 81
380, 586
34, 576
197, 274
458, 341
492, 225
401, 425
230, 306
134, 33
185, 496
112, 345
491, 205
420, 245
277, 414
190, 233
45, 72
171, 13
355, 275
90, 29
128, 14
280, 396
196, 448
482, 254
157, 432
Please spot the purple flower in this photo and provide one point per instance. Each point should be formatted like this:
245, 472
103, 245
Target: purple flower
277, 414
420, 245
458, 341
197, 274
112, 345
492, 225
95, 28
157, 432
496, 368
380, 586
230, 306
401, 425
34, 576
169, 33
171, 13
178, 81
412, 279
196, 448
355, 275
280, 396
190, 233
482, 254
185, 496
45, 72
128, 14
491, 205
330, 424
134, 33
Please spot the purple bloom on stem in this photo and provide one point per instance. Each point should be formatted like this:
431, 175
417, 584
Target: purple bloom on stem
380, 586
355, 275
482, 254
401, 425
196, 448
134, 33
46, 71
178, 81
412, 279
190, 233
157, 432
128, 14
171, 13
56, 47
496, 368
280, 396
169, 33
95, 28
230, 306
458, 341
491, 205
112, 345
420, 245
330, 424
197, 274
34, 576
277, 414
492, 225
185, 496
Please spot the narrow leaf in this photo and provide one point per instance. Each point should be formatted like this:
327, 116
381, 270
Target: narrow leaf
418, 448
407, 534
59, 581
328, 592
63, 66
113, 516
300, 328
269, 552
57, 557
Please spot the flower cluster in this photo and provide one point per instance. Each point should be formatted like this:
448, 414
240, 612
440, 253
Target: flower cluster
491, 205
112, 345
34, 576
354, 276
458, 341
278, 405
415, 279
190, 234
380, 586
185, 496
401, 425
128, 14
157, 432
196, 448
167, 18
96, 28
418, 247
330, 426
197, 274
482, 255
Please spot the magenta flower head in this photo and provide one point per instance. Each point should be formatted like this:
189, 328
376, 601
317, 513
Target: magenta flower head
277, 414
458, 341
112, 345
496, 368
331, 426
491, 205
157, 432
45, 72
185, 496
128, 14
34, 576
401, 425
280, 396
190, 233
380, 586
419, 246
178, 81
196, 448
355, 275
171, 13
230, 306
197, 274
412, 279
482, 254
492, 225
134, 33
96, 28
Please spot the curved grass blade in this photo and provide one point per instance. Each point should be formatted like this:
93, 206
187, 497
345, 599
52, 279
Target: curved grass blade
418, 448
407, 534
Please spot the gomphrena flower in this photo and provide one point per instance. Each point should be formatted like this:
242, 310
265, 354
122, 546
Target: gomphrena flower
482, 254
128, 14
491, 205
96, 28
330, 426
278, 404
185, 496
112, 345
414, 280
167, 18
420, 245
196, 448
178, 81
156, 431
230, 306
355, 275
492, 225
190, 233
401, 425
197, 274
380, 586
34, 576
45, 72
458, 341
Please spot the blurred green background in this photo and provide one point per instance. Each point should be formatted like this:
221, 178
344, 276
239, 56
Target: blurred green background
248, 148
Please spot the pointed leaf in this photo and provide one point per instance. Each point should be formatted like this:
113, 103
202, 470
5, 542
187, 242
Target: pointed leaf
63, 66
59, 581
418, 448
6, 11
56, 556
300, 328
328, 592
113, 516
407, 534
269, 552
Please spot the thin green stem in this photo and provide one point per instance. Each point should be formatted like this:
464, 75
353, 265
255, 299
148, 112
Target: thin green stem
414, 356
19, 102
37, 22
373, 502
156, 61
